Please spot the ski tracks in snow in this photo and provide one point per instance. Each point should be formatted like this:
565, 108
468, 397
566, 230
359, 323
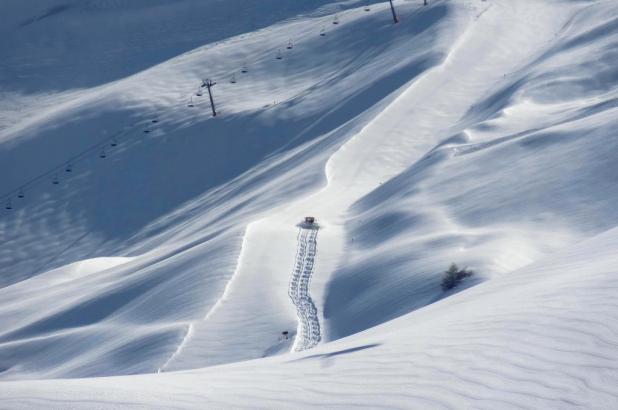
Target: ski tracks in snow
309, 333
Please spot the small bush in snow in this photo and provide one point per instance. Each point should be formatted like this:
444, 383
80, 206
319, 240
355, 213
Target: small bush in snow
453, 275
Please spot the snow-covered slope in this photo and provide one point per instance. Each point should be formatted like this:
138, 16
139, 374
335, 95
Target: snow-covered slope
542, 337
476, 132
177, 199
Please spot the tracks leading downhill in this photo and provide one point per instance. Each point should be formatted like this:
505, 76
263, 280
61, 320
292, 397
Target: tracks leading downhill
309, 333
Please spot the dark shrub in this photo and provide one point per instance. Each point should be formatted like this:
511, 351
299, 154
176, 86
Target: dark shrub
453, 275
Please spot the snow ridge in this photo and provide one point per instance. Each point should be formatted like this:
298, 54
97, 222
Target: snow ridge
309, 334
179, 349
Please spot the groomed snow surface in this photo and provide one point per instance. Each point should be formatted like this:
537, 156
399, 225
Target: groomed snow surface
152, 256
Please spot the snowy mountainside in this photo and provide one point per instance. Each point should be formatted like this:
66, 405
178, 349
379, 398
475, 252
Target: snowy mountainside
476, 132
219, 174
528, 169
541, 337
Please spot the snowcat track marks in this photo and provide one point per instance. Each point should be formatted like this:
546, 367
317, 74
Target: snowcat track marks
309, 334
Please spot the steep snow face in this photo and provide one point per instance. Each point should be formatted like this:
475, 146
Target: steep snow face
475, 132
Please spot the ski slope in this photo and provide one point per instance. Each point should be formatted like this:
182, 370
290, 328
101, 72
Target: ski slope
475, 132
548, 341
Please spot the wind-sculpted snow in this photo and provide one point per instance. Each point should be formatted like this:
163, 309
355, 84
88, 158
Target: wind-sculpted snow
526, 116
178, 199
114, 31
128, 205
542, 337
309, 334
475, 132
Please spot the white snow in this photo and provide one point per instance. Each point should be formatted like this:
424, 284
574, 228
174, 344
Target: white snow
476, 132
543, 336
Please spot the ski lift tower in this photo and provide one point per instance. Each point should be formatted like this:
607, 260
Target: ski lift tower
209, 84
395, 19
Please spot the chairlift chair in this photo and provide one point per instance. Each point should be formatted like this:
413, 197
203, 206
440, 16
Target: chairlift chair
20, 194
68, 167
102, 154
323, 32
113, 143
55, 180
233, 79
290, 45
336, 20
8, 204
279, 56
190, 103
